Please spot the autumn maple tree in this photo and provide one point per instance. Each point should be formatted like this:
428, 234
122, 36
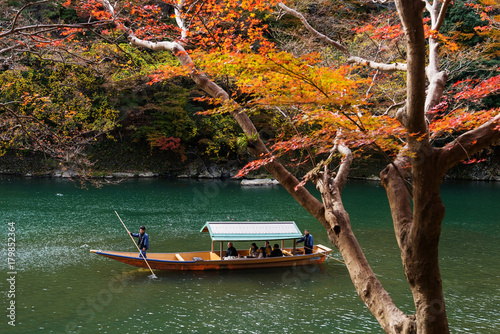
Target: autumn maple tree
386, 92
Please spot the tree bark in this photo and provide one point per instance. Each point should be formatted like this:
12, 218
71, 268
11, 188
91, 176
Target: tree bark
420, 253
367, 285
437, 79
394, 67
469, 143
419, 246
393, 179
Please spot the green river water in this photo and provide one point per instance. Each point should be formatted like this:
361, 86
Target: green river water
58, 286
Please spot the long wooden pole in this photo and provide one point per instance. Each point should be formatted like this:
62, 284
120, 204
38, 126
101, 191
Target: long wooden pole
328, 256
131, 237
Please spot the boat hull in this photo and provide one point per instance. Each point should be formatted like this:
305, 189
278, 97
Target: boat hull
211, 261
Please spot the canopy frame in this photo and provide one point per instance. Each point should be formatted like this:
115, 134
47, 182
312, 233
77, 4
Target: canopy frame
252, 231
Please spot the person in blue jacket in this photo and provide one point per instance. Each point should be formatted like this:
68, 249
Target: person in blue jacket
143, 242
308, 242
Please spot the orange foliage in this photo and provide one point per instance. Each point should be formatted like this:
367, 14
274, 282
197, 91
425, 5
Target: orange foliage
481, 90
168, 143
254, 165
462, 119
382, 29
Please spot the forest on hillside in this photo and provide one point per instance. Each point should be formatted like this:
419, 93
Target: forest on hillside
77, 97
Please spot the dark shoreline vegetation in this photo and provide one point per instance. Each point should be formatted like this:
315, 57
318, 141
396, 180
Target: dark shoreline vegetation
165, 164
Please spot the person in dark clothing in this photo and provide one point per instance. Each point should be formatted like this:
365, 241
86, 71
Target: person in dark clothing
143, 242
308, 242
276, 251
231, 251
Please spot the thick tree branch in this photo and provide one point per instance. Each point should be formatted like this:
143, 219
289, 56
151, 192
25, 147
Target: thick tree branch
439, 22
22, 9
367, 285
437, 79
2, 51
107, 5
351, 59
410, 12
313, 31
345, 165
156, 46
393, 179
378, 66
469, 143
180, 20
437, 83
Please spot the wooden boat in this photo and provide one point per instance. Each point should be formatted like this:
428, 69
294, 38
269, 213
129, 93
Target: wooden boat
230, 231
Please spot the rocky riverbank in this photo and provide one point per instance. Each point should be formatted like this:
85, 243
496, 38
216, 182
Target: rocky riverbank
30, 165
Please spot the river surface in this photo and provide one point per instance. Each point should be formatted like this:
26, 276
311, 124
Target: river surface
60, 287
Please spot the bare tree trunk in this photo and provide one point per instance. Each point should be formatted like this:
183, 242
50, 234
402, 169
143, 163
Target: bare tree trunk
419, 248
437, 79
418, 234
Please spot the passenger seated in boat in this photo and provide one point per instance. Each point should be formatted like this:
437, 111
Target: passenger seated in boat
268, 248
231, 251
253, 251
276, 251
262, 253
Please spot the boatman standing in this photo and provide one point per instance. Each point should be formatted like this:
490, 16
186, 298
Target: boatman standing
143, 242
308, 242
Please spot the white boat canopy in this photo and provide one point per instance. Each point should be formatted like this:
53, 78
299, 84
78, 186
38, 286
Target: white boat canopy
246, 231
